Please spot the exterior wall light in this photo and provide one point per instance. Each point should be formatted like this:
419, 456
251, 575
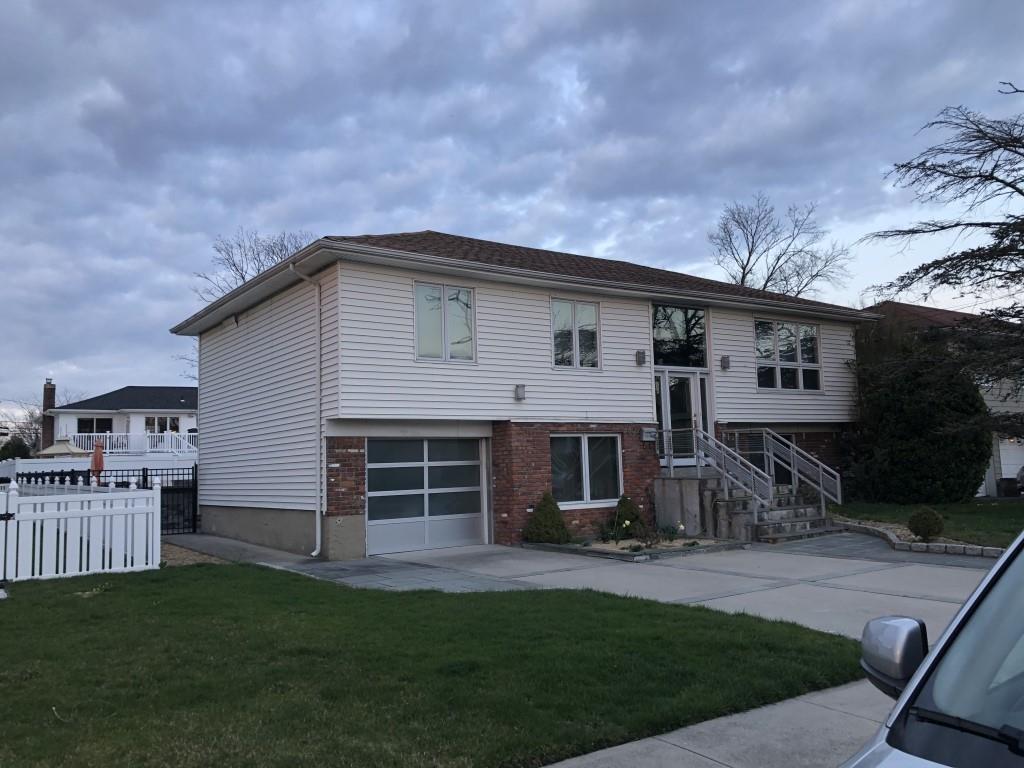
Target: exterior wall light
725, 362
641, 357
520, 392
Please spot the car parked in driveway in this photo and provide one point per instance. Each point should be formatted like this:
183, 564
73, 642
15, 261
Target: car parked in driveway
962, 703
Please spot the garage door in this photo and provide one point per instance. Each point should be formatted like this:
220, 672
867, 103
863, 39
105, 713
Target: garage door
423, 494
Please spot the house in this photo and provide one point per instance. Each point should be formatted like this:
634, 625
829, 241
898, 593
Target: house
382, 393
129, 420
1007, 452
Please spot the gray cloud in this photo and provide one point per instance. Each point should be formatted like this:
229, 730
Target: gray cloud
131, 134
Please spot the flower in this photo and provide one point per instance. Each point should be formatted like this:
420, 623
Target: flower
625, 523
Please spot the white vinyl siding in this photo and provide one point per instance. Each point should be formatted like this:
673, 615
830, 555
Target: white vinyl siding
737, 397
381, 377
257, 401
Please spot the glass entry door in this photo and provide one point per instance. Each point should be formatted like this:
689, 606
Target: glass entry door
680, 400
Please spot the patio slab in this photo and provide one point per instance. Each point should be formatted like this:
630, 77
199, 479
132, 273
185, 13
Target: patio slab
927, 581
495, 560
773, 565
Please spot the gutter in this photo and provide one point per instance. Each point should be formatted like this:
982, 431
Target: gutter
319, 405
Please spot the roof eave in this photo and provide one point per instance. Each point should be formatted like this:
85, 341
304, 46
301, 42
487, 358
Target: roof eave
322, 252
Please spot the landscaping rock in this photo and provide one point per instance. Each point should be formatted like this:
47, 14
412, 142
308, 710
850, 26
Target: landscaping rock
937, 549
991, 552
954, 549
902, 546
971, 549
918, 546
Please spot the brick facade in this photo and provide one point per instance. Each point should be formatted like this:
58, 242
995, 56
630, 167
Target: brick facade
521, 472
823, 441
346, 476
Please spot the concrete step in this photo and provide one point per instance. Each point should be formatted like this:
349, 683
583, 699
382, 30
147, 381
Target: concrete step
795, 512
772, 537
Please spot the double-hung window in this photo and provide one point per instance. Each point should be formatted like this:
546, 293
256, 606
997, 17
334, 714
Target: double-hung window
445, 324
585, 469
156, 424
787, 355
574, 334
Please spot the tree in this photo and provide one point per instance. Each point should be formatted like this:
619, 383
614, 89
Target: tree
25, 419
15, 448
980, 166
786, 254
238, 259
923, 434
244, 255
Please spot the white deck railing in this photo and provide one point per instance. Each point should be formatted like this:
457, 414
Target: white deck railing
148, 442
53, 531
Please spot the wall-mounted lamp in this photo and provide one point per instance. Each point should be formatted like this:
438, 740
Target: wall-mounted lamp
725, 362
520, 392
641, 357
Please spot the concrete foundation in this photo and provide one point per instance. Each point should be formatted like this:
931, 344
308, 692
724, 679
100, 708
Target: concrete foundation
677, 502
344, 537
287, 529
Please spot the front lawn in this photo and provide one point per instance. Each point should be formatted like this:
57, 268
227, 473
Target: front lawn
245, 666
988, 523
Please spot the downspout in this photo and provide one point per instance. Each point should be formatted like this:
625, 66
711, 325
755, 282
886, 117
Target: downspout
319, 415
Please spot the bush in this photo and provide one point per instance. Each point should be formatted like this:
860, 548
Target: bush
627, 523
923, 434
546, 524
15, 448
925, 523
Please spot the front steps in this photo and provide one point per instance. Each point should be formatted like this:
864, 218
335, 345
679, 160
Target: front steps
700, 504
790, 517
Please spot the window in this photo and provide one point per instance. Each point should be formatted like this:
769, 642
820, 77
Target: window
91, 426
444, 322
585, 469
574, 333
155, 424
422, 478
679, 337
787, 355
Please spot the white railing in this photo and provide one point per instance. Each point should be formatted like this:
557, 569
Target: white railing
735, 471
53, 531
787, 462
147, 442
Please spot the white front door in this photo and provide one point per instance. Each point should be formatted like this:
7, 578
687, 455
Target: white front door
423, 494
681, 402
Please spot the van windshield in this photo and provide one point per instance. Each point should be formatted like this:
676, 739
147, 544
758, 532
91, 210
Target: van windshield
973, 700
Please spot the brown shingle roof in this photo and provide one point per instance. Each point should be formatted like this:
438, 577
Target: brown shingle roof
919, 316
471, 249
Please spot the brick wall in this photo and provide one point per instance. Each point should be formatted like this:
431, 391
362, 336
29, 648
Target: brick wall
820, 440
521, 472
346, 476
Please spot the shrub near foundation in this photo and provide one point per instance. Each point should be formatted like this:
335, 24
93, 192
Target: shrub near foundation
546, 524
925, 523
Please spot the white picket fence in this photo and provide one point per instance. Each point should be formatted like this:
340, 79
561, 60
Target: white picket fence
50, 531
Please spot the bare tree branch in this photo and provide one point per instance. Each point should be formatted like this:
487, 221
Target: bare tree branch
758, 248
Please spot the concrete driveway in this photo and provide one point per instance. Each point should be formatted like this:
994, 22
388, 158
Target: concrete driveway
831, 593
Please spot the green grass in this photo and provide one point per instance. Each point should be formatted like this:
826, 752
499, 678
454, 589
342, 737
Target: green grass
988, 523
234, 665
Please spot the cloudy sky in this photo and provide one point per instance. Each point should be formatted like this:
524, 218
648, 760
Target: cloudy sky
132, 134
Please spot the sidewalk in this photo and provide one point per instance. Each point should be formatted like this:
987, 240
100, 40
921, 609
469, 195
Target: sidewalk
813, 731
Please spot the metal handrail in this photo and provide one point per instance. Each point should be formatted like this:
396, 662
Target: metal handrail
820, 476
709, 451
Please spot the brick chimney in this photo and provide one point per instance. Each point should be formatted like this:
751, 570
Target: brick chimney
49, 401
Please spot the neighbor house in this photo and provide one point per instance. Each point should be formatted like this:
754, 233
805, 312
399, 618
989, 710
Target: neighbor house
129, 420
381, 393
1007, 452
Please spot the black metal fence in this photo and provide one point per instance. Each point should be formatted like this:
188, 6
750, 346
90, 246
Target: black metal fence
179, 490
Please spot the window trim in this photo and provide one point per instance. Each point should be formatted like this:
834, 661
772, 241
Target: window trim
445, 345
425, 491
575, 335
777, 365
588, 503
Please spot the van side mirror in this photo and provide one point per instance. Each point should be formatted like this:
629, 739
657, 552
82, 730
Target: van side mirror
892, 648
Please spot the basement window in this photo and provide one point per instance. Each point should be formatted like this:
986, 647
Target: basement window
585, 469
